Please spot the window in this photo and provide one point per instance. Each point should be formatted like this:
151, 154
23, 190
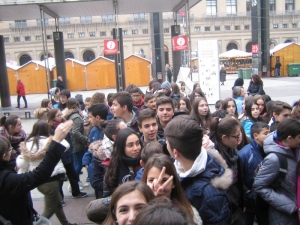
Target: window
125, 32
289, 5
197, 29
92, 34
207, 28
134, 31
107, 18
81, 34
248, 5
38, 37
17, 39
166, 30
237, 27
49, 37
20, 23
272, 6
294, 25
70, 35
211, 7
284, 25
275, 25
139, 16
64, 20
217, 28
231, 7
85, 19
227, 27
39, 22
27, 38
145, 31
102, 33
6, 39
247, 27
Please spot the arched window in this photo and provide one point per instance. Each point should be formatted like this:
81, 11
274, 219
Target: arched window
249, 47
69, 55
88, 56
24, 59
288, 41
231, 46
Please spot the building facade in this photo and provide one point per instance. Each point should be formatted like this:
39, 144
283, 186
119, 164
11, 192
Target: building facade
228, 21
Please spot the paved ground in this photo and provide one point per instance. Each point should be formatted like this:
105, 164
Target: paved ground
284, 89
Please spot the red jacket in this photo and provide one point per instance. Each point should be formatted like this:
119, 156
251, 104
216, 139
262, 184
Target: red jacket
140, 104
21, 89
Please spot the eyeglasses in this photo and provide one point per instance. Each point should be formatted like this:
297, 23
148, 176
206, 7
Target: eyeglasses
10, 149
237, 137
135, 96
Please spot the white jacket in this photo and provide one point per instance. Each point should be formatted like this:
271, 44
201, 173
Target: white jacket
31, 157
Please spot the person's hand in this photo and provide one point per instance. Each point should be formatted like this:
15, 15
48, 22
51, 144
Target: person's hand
157, 186
62, 130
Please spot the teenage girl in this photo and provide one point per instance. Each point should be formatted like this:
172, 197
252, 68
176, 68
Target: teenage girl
200, 112
229, 105
251, 115
260, 101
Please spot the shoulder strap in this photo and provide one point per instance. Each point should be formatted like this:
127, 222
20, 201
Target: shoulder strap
282, 170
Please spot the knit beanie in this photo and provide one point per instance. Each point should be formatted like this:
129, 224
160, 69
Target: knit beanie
166, 85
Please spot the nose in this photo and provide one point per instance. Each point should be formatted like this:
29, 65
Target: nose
132, 215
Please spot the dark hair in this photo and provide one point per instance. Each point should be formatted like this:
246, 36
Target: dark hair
156, 86
116, 159
65, 92
88, 99
72, 103
6, 121
218, 104
195, 86
187, 103
148, 97
288, 127
98, 109
279, 106
109, 99
182, 130
151, 82
219, 113
98, 97
159, 161
51, 116
164, 100
256, 79
124, 98
124, 189
218, 128
236, 91
239, 82
151, 148
111, 127
135, 90
39, 129
145, 114
296, 111
248, 111
257, 127
56, 90
225, 105
195, 114
4, 146
259, 97
267, 98
198, 91
44, 103
129, 88
175, 88
162, 212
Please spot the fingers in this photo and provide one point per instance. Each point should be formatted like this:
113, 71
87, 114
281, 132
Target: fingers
167, 183
62, 130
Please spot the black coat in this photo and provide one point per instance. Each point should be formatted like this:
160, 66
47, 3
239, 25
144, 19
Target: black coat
255, 89
14, 188
60, 84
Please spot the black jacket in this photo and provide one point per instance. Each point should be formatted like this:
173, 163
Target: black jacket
14, 188
60, 85
255, 89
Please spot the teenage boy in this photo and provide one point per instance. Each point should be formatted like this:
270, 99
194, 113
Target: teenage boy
137, 98
251, 156
280, 110
165, 112
122, 107
87, 105
63, 97
149, 102
204, 178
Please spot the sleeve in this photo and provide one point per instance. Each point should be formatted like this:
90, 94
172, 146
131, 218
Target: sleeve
22, 164
261, 90
98, 175
76, 130
87, 158
265, 177
247, 127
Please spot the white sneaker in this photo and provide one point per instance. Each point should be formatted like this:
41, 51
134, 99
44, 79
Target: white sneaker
70, 189
83, 184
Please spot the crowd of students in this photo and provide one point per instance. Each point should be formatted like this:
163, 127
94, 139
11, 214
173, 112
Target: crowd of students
159, 157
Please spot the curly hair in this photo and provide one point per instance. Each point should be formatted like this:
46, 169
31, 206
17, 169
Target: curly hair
98, 97
296, 111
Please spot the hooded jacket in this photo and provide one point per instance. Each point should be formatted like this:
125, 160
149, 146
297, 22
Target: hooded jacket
204, 186
20, 89
133, 122
41, 113
283, 201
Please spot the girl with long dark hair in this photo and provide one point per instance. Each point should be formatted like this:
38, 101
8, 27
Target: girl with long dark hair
250, 116
256, 86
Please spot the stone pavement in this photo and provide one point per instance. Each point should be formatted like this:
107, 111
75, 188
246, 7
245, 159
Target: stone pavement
284, 89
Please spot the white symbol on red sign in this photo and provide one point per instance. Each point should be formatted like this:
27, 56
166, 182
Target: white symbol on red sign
111, 45
255, 49
180, 41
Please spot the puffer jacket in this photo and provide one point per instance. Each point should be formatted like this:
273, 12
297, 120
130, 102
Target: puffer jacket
205, 187
30, 157
255, 89
79, 141
283, 201
41, 113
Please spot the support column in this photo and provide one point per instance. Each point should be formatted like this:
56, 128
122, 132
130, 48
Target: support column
176, 55
265, 38
4, 86
119, 60
59, 52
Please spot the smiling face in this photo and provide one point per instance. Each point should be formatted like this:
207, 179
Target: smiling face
149, 129
202, 108
165, 112
133, 146
128, 207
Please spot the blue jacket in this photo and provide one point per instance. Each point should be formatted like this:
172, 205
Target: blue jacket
206, 190
109, 114
239, 103
247, 124
139, 174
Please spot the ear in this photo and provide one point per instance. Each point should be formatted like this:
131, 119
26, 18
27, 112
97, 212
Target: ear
114, 136
274, 115
125, 108
98, 118
224, 137
140, 129
142, 163
255, 136
289, 138
176, 153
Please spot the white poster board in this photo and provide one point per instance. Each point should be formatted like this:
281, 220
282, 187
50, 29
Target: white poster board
208, 61
184, 75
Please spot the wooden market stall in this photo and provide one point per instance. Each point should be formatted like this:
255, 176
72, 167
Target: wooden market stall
137, 70
100, 73
235, 59
286, 53
12, 78
75, 71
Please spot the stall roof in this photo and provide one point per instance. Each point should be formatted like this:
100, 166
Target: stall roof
137, 57
233, 53
29, 9
281, 46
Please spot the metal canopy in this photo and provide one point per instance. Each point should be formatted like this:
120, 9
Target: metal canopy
29, 9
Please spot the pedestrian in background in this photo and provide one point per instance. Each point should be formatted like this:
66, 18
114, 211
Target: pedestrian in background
60, 83
277, 68
21, 93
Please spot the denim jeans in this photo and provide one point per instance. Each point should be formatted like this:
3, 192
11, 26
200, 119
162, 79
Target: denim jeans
277, 74
24, 98
78, 162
